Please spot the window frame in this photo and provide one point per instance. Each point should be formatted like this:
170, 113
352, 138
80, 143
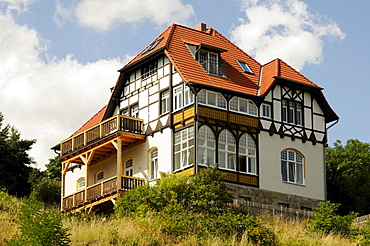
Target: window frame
165, 102
206, 150
218, 99
184, 148
97, 179
79, 187
266, 108
229, 155
249, 104
292, 169
250, 157
134, 114
129, 170
177, 97
291, 112
153, 163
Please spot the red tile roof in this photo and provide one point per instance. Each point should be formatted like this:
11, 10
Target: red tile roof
96, 119
173, 41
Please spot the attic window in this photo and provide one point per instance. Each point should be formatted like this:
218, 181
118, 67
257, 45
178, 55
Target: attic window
245, 67
152, 46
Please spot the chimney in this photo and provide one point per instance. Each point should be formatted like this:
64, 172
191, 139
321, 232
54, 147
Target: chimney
201, 27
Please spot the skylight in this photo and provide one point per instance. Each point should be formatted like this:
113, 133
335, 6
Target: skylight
152, 46
245, 67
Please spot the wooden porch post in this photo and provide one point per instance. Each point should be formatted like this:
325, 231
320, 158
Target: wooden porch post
86, 180
119, 163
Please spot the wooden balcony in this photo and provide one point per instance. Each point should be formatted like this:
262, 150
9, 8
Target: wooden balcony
115, 124
99, 193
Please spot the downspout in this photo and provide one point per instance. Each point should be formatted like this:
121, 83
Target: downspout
171, 118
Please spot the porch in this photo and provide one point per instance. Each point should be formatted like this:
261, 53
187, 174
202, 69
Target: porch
98, 194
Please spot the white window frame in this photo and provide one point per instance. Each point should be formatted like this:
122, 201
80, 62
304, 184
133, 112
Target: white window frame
209, 61
219, 100
236, 106
292, 167
247, 154
165, 101
266, 110
188, 96
227, 149
177, 97
153, 163
184, 148
206, 145
292, 112
134, 111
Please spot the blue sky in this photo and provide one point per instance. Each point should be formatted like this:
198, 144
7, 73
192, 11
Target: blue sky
58, 59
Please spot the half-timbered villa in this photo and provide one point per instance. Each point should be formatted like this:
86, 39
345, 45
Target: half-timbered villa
192, 98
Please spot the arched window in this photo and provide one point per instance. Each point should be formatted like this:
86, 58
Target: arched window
129, 167
206, 145
153, 163
81, 183
292, 167
247, 154
99, 176
226, 150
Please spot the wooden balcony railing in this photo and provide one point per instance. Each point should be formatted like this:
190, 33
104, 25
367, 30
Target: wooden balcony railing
107, 127
99, 191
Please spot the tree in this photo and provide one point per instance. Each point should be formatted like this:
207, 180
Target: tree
348, 176
14, 160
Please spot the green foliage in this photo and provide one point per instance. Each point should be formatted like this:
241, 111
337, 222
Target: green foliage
204, 192
348, 176
54, 168
39, 226
47, 190
197, 205
8, 204
221, 225
14, 160
326, 220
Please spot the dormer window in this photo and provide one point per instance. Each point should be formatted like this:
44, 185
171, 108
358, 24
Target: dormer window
209, 61
209, 57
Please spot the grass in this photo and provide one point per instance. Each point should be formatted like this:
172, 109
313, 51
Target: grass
96, 230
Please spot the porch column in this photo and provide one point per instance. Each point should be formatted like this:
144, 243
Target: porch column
119, 163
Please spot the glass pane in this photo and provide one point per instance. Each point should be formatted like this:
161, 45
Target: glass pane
299, 174
221, 102
284, 170
211, 98
243, 106
202, 97
291, 170
252, 109
234, 104
177, 161
221, 159
231, 159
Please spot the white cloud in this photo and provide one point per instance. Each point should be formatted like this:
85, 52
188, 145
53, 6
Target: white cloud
17, 5
104, 15
48, 99
283, 29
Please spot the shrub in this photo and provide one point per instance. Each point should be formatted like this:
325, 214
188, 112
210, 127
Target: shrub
40, 227
326, 219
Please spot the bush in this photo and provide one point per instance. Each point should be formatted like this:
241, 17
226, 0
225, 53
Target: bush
40, 227
326, 219
47, 191
204, 192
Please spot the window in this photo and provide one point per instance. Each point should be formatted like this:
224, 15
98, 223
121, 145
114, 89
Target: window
291, 112
244, 66
266, 110
99, 176
125, 112
149, 70
81, 183
184, 148
165, 101
177, 97
152, 46
210, 98
154, 163
210, 62
247, 154
134, 111
188, 96
226, 150
243, 105
206, 146
129, 167
292, 167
